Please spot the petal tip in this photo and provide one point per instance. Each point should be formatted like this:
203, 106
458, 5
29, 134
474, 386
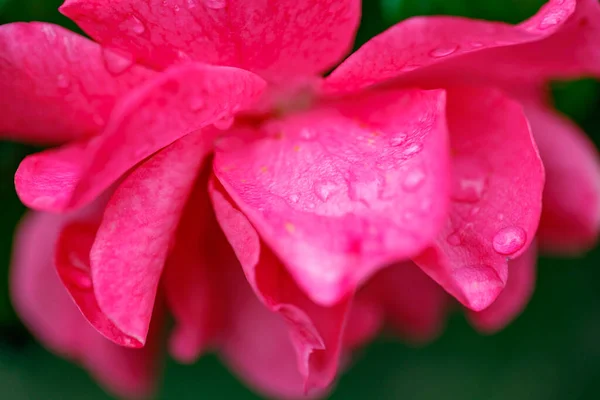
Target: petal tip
479, 286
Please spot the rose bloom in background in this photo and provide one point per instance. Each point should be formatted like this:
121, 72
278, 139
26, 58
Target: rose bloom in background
207, 170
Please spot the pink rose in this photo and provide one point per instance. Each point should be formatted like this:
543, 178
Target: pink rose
198, 131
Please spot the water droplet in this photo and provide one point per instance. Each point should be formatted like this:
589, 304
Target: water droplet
413, 149
509, 240
294, 198
410, 67
116, 62
215, 4
501, 217
197, 103
136, 25
414, 179
552, 19
476, 45
224, 123
468, 190
308, 134
443, 51
62, 81
398, 140
454, 239
325, 189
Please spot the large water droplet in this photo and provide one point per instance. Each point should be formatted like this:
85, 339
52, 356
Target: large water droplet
116, 62
509, 240
325, 189
443, 51
224, 123
468, 190
414, 179
215, 4
62, 81
398, 140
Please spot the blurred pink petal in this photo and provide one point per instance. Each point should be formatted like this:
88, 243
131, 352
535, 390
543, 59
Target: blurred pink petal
513, 299
571, 214
282, 39
343, 189
56, 83
175, 103
560, 41
496, 198
45, 307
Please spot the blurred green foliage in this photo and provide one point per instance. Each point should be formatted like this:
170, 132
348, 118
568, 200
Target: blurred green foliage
551, 352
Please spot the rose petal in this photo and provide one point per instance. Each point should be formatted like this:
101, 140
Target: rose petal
45, 307
193, 277
513, 299
341, 190
151, 117
138, 226
283, 38
559, 41
315, 331
56, 83
496, 198
571, 214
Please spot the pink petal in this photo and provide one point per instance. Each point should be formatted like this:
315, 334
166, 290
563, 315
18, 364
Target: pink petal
283, 38
513, 299
571, 215
341, 190
414, 305
193, 277
151, 117
315, 331
138, 226
56, 83
45, 307
561, 40
496, 196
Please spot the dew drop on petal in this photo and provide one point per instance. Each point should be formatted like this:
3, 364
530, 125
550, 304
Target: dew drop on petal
224, 123
62, 81
398, 140
453, 239
116, 62
325, 189
294, 198
308, 134
414, 179
197, 103
136, 25
509, 240
215, 4
443, 51
468, 190
413, 149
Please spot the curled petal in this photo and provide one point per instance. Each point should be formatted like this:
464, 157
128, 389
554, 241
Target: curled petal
282, 38
315, 331
174, 104
56, 83
498, 178
561, 40
513, 299
341, 190
571, 213
45, 307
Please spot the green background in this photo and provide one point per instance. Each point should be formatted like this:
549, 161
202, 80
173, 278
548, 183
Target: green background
551, 352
